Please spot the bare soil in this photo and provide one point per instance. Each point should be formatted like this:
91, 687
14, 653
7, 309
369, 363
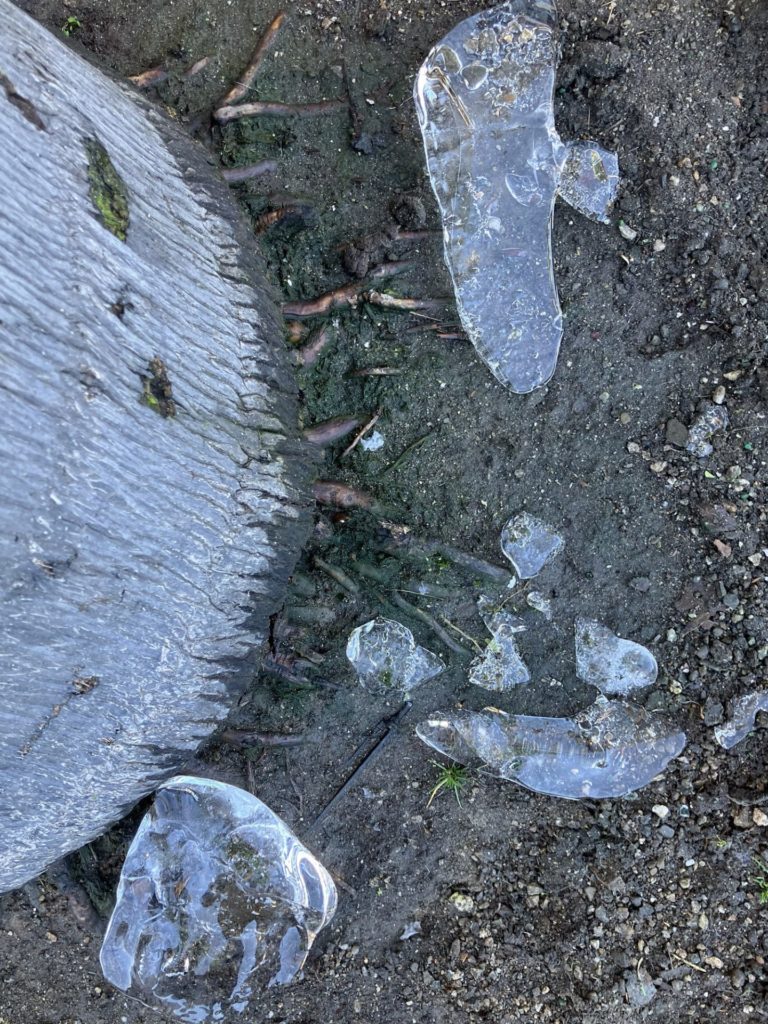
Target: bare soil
566, 904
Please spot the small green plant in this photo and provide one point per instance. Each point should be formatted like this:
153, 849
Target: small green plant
71, 25
761, 879
452, 778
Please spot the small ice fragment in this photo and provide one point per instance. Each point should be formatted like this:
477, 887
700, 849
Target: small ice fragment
484, 98
611, 749
710, 420
411, 929
529, 544
386, 656
217, 901
590, 180
374, 443
539, 603
742, 721
610, 663
500, 666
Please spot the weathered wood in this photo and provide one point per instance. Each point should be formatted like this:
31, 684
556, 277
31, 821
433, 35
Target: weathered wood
152, 490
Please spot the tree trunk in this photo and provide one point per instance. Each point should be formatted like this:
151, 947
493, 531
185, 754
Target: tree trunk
152, 486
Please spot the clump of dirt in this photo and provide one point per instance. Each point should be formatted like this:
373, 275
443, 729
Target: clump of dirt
529, 908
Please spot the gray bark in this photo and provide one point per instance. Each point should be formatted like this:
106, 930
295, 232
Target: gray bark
152, 491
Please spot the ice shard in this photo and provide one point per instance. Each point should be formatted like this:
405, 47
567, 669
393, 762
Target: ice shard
742, 721
529, 544
609, 662
609, 750
217, 901
386, 657
500, 666
496, 162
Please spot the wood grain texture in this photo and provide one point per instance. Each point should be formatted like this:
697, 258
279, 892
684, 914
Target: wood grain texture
140, 554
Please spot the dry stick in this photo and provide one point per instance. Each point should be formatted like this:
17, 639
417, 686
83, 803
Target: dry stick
338, 575
247, 737
245, 81
309, 354
361, 434
149, 78
426, 618
197, 67
376, 371
397, 302
367, 761
233, 175
347, 294
270, 108
330, 430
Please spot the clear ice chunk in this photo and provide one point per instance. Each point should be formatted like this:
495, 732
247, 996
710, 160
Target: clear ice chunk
590, 180
609, 750
609, 662
386, 657
484, 102
500, 666
217, 901
540, 603
529, 544
742, 721
711, 419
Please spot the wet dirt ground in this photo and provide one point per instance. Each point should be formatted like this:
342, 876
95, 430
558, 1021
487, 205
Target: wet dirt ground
567, 907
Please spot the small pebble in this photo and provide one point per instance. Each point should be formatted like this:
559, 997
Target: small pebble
718, 396
759, 817
661, 811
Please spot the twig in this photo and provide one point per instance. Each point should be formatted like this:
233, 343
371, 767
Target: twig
296, 791
347, 294
461, 632
387, 301
245, 81
197, 67
153, 76
249, 738
234, 175
376, 371
426, 618
270, 108
330, 430
309, 354
688, 963
361, 434
367, 761
406, 452
338, 575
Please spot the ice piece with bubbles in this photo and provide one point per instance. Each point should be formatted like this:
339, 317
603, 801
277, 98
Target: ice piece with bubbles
590, 180
496, 162
386, 657
529, 544
536, 600
707, 423
500, 666
742, 721
217, 901
609, 750
609, 662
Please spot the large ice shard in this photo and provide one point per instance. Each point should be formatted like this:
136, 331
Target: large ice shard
386, 657
609, 662
217, 901
496, 162
609, 750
